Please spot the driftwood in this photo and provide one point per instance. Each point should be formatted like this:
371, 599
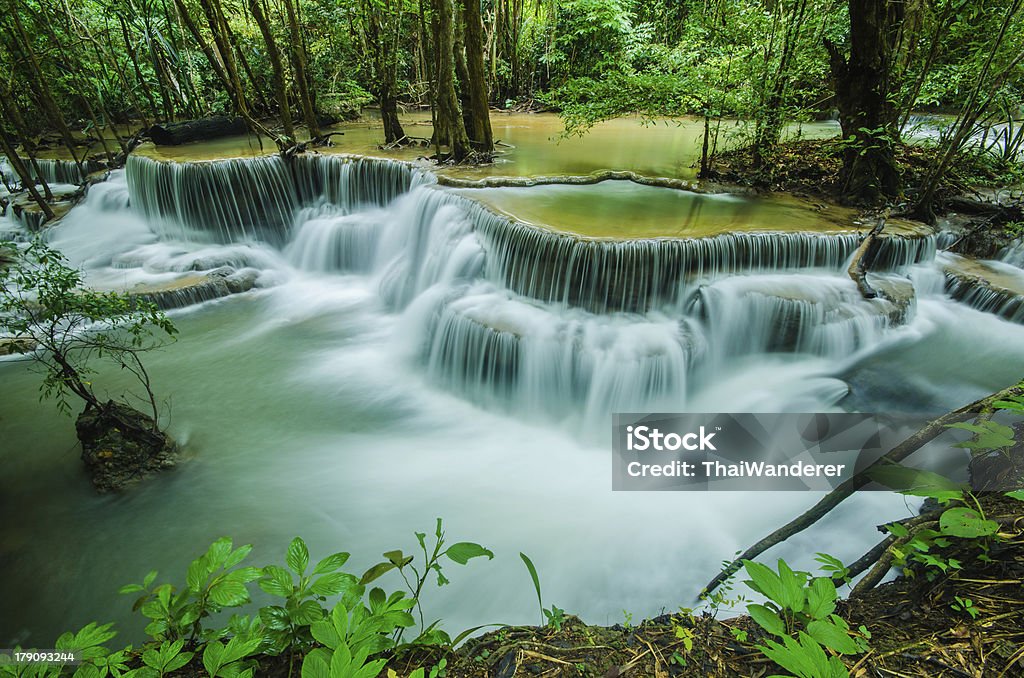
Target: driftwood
175, 133
862, 258
926, 434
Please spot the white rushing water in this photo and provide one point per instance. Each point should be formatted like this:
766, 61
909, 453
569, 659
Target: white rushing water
409, 355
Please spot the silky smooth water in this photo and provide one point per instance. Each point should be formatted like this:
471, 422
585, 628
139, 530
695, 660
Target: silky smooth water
347, 400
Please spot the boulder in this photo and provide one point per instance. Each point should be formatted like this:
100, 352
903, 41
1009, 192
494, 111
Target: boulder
121, 445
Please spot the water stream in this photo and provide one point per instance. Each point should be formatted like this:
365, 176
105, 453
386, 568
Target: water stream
411, 353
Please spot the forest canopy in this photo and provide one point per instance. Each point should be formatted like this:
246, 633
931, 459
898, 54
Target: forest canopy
283, 65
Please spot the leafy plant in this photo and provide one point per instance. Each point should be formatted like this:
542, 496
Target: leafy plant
225, 660
45, 301
434, 557
553, 616
213, 582
965, 605
288, 625
805, 606
166, 658
351, 636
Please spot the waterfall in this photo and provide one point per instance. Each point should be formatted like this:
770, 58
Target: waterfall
256, 198
511, 314
226, 200
977, 293
53, 171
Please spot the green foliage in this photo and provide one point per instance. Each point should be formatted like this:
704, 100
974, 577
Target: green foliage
214, 582
288, 625
45, 300
805, 606
350, 637
965, 605
433, 558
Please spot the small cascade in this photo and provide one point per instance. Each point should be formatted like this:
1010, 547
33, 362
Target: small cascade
328, 239
256, 198
1013, 253
979, 294
227, 200
429, 240
53, 171
352, 183
501, 349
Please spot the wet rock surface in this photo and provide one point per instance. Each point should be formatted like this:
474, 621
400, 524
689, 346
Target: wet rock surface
121, 446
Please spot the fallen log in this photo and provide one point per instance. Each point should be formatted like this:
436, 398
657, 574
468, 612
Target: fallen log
862, 258
176, 133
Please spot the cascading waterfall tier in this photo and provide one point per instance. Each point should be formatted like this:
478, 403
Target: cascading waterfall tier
496, 346
514, 313
256, 198
992, 287
52, 170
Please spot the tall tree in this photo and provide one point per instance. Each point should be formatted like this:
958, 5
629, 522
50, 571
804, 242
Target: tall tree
299, 66
478, 120
449, 127
274, 54
864, 94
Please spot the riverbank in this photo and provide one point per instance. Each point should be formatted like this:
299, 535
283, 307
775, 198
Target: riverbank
965, 618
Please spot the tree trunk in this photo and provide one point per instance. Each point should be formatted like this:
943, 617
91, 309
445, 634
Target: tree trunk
43, 89
26, 176
863, 87
478, 120
280, 91
299, 63
138, 71
449, 130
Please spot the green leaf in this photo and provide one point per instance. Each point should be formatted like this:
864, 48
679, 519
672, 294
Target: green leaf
463, 551
333, 584
397, 558
277, 581
307, 612
297, 557
821, 598
966, 523
916, 482
227, 593
764, 581
237, 556
897, 530
1016, 494
832, 636
376, 572
178, 662
317, 664
331, 563
767, 619
793, 597
533, 576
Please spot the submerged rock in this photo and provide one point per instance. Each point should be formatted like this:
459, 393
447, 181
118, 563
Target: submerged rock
121, 445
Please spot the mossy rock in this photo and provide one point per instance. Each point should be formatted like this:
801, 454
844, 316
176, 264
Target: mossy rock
121, 445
